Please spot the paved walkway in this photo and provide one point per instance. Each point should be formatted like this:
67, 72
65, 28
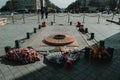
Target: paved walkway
82, 70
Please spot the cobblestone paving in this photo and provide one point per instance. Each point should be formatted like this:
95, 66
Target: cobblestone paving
85, 69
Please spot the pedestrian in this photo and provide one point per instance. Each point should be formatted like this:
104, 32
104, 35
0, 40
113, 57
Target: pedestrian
46, 12
42, 13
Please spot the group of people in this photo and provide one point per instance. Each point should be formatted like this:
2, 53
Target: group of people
44, 11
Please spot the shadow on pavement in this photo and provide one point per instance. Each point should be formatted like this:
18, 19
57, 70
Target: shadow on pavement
85, 69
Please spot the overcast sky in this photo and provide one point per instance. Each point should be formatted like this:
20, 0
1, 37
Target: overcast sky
62, 3
59, 3
2, 2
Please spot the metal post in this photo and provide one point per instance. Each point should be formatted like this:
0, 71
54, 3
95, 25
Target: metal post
68, 17
110, 51
54, 18
35, 30
84, 17
102, 43
113, 16
98, 18
51, 23
92, 36
119, 20
7, 49
39, 27
17, 44
86, 30
28, 35
12, 14
71, 23
38, 16
87, 51
23, 18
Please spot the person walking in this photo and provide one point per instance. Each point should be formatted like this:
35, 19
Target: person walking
46, 12
42, 13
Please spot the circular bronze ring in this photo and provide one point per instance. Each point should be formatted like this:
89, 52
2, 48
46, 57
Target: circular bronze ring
66, 39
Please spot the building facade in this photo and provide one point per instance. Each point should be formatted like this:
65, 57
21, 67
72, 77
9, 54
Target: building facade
27, 4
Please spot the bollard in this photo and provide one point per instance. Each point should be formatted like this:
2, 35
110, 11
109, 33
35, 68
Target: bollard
102, 43
17, 44
7, 49
44, 22
87, 51
92, 36
28, 35
86, 30
35, 30
71, 23
110, 51
51, 23
119, 20
39, 27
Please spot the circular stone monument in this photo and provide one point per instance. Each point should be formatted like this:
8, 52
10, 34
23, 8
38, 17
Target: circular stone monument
59, 39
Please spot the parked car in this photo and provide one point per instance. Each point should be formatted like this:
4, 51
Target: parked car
5, 13
107, 12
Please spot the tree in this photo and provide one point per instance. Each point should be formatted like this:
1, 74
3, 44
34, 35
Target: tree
49, 4
10, 6
74, 6
6, 7
113, 4
94, 3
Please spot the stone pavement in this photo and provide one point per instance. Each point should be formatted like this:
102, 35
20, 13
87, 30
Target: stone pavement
82, 70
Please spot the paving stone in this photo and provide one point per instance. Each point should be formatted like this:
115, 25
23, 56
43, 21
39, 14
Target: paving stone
2, 78
83, 70
17, 75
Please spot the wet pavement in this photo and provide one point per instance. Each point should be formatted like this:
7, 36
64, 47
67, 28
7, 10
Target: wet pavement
84, 69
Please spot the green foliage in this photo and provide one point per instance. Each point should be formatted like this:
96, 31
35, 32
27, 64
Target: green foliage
74, 5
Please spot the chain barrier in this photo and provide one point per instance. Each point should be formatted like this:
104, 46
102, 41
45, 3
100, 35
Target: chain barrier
117, 14
81, 15
61, 15
50, 14
75, 15
108, 16
91, 15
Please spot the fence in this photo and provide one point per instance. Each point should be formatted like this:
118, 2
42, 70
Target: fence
83, 16
68, 16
